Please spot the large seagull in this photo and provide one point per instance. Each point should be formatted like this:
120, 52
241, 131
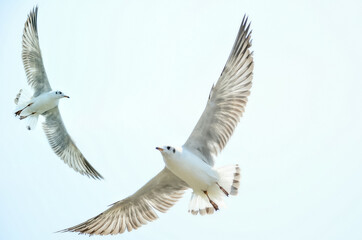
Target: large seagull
192, 165
44, 101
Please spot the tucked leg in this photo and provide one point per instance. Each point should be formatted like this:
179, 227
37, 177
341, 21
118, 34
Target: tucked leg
223, 190
17, 113
23, 117
216, 207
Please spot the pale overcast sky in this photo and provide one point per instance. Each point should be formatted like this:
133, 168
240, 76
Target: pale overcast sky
138, 74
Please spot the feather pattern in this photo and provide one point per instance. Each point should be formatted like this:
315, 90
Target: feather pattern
63, 145
31, 55
160, 193
227, 100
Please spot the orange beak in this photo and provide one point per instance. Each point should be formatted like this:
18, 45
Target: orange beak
159, 149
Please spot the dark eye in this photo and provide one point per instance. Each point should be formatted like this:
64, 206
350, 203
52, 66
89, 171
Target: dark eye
168, 147
174, 150
60, 92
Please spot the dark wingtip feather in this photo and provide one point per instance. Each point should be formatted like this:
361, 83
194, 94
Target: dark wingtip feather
32, 19
90, 172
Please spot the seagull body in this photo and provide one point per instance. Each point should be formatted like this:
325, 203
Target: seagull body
188, 167
209, 185
44, 101
192, 165
37, 106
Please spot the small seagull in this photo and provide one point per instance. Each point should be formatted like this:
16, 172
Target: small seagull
192, 165
45, 102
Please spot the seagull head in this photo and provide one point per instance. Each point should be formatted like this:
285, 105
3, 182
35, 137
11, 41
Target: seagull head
167, 150
59, 94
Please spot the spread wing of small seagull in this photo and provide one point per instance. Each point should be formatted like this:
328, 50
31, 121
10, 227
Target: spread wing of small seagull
32, 59
227, 100
160, 193
57, 135
63, 145
224, 108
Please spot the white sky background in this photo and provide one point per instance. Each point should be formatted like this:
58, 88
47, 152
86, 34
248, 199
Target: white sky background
139, 74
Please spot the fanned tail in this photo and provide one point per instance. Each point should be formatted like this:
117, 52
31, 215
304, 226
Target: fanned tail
22, 97
209, 201
17, 98
229, 178
32, 121
199, 203
22, 101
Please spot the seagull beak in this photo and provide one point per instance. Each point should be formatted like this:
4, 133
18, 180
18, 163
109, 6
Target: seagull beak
67, 96
159, 149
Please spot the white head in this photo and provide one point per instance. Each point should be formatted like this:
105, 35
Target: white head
59, 94
167, 150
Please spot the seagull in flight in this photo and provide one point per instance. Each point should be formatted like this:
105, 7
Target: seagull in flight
192, 165
44, 101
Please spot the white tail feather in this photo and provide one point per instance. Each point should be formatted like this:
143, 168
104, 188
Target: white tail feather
229, 177
21, 100
22, 97
17, 98
32, 121
19, 107
200, 204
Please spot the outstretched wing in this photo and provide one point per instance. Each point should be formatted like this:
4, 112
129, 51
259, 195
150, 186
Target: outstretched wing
63, 145
226, 101
32, 60
160, 193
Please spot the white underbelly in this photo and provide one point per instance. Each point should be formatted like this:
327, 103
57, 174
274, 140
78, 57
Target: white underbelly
40, 109
42, 104
191, 169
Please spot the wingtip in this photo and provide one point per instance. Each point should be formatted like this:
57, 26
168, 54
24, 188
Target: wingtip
31, 20
34, 11
61, 231
66, 230
245, 18
91, 172
97, 177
